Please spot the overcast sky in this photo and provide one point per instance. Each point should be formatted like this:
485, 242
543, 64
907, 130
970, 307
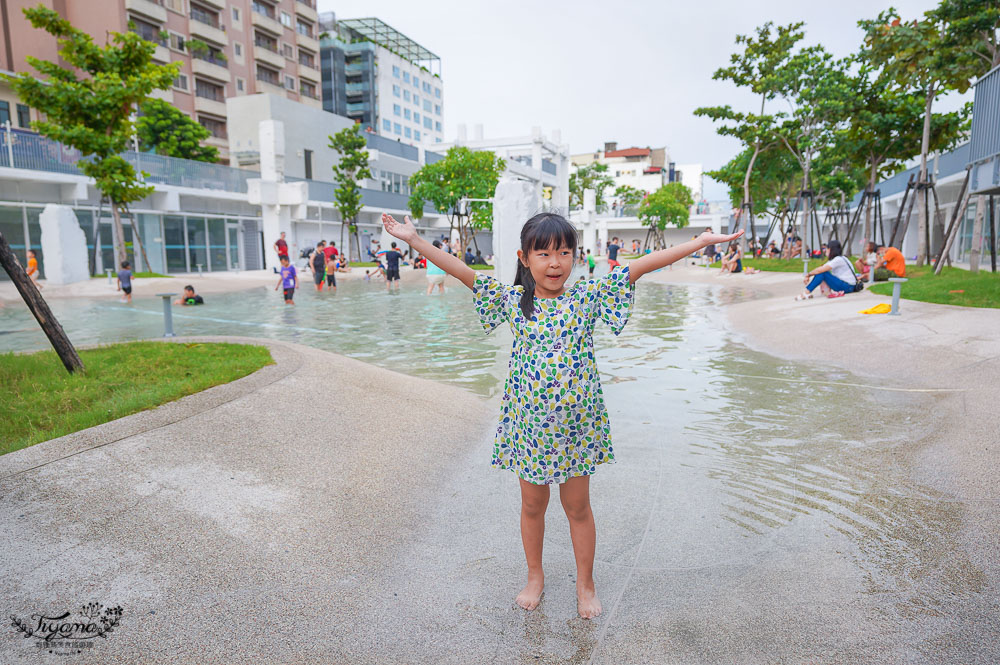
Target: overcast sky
627, 71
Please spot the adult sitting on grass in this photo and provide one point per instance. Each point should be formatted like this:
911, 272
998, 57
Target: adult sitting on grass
890, 264
190, 297
836, 276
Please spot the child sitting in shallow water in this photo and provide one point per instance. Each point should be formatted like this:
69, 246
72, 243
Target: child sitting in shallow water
554, 427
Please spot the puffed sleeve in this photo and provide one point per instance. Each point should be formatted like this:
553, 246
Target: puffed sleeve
492, 299
614, 296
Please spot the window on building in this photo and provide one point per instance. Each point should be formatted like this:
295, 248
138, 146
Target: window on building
204, 15
396, 109
307, 89
416, 135
437, 92
437, 126
396, 127
395, 71
407, 133
263, 8
174, 5
386, 125
177, 42
427, 122
426, 87
265, 41
427, 105
287, 51
406, 113
395, 90
181, 82
307, 58
238, 49
437, 109
416, 81
286, 19
216, 127
236, 14
241, 85
437, 139
406, 95
208, 90
290, 82
416, 117
268, 75
23, 116
4, 112
406, 77
307, 157
304, 28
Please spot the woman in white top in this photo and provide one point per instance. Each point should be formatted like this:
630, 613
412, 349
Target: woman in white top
836, 275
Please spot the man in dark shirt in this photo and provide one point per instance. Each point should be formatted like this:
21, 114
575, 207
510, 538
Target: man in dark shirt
613, 254
318, 263
392, 258
469, 258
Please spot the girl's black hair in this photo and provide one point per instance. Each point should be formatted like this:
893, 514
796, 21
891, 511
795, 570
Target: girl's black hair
543, 231
835, 250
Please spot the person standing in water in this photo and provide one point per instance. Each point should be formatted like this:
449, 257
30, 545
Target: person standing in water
554, 427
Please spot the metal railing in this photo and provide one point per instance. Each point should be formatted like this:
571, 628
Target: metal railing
985, 142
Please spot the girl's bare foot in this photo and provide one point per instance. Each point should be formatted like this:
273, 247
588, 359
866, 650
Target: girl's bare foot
531, 594
587, 602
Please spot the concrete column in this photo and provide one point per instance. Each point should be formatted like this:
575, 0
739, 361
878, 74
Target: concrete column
64, 246
602, 236
513, 203
589, 216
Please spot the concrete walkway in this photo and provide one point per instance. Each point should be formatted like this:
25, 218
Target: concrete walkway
285, 518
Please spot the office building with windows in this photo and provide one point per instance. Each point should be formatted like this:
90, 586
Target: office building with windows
381, 78
227, 48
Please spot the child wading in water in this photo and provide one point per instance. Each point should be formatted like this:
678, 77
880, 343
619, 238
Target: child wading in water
554, 426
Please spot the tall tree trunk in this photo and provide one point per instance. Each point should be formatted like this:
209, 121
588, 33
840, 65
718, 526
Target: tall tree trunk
138, 240
925, 141
869, 234
806, 210
977, 233
120, 233
39, 308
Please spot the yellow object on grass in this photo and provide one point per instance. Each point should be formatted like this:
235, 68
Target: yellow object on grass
881, 308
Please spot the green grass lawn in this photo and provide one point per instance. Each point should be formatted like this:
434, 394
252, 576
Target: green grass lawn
777, 265
134, 275
954, 286
40, 400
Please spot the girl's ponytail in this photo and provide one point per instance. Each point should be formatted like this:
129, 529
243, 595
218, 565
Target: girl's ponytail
523, 278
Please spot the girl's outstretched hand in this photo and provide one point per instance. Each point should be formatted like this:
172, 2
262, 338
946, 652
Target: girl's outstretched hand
405, 231
719, 238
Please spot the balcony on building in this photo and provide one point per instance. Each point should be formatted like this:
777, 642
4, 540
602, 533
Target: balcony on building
311, 73
263, 16
355, 90
307, 9
269, 80
265, 49
218, 4
148, 31
306, 35
205, 25
149, 9
211, 67
357, 109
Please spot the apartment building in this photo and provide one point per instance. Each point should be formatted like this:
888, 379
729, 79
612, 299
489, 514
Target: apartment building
226, 48
382, 79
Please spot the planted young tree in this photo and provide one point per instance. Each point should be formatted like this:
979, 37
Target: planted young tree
669, 205
592, 176
351, 167
92, 112
164, 130
758, 68
462, 174
916, 54
817, 90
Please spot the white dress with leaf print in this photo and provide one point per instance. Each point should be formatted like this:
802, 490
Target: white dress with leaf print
553, 422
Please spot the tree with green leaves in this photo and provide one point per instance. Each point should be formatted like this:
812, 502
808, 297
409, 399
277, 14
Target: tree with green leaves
775, 180
916, 54
93, 112
758, 68
670, 204
817, 90
351, 167
591, 176
629, 195
163, 129
462, 174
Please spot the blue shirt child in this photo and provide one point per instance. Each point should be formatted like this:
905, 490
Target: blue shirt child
288, 277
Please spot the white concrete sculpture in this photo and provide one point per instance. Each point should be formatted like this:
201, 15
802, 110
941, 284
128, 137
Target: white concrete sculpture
514, 203
280, 202
64, 246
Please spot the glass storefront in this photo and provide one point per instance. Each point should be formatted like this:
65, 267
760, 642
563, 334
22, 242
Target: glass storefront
197, 239
173, 243
217, 244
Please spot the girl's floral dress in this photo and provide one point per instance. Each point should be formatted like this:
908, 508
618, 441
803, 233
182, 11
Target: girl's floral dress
553, 422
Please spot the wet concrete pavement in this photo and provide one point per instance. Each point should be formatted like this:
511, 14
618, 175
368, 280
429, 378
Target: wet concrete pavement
751, 517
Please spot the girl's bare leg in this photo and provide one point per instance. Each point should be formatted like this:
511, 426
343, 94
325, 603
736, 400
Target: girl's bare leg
575, 497
534, 501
